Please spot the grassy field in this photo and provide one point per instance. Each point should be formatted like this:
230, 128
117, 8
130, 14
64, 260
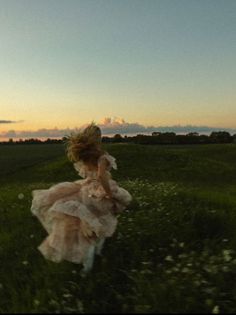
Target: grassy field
174, 248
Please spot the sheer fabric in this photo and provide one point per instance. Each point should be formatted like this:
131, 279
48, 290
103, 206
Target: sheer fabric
77, 215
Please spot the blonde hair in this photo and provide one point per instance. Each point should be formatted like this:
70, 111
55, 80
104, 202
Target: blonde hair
85, 145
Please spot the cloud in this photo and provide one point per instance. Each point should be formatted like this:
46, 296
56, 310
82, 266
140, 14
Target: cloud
40, 133
10, 121
111, 126
119, 125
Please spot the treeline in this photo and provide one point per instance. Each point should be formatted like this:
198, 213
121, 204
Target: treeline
155, 138
31, 141
172, 138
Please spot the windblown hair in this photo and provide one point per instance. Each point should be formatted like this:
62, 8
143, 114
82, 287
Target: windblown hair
85, 145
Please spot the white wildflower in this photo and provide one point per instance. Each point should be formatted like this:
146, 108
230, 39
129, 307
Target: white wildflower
168, 271
225, 269
36, 302
216, 310
67, 295
226, 251
226, 254
53, 302
146, 272
169, 258
21, 196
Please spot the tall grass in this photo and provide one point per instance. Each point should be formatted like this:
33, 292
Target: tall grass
173, 251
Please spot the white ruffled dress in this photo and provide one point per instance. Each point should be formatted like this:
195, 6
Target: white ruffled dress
77, 214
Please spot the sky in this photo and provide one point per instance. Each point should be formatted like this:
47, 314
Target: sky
121, 63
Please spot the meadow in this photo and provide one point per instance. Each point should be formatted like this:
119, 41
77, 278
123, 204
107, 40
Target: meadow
174, 250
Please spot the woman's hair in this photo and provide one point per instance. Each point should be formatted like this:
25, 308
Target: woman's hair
85, 145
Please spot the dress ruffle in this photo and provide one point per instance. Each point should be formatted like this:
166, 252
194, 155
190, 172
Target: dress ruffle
77, 214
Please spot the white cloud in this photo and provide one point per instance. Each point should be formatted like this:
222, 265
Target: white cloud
119, 125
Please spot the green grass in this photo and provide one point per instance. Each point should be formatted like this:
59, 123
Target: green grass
14, 158
174, 248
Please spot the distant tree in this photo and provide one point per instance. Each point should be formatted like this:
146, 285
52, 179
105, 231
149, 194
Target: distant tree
204, 139
156, 133
193, 134
168, 137
117, 138
221, 137
234, 138
32, 141
169, 134
10, 140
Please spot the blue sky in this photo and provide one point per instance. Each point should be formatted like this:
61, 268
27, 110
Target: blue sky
155, 63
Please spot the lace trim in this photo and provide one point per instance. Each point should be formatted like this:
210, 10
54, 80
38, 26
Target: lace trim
81, 169
110, 159
79, 166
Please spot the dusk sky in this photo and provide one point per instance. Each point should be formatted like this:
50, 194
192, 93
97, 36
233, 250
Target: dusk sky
65, 63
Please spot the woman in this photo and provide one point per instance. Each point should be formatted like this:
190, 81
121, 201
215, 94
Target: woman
79, 215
